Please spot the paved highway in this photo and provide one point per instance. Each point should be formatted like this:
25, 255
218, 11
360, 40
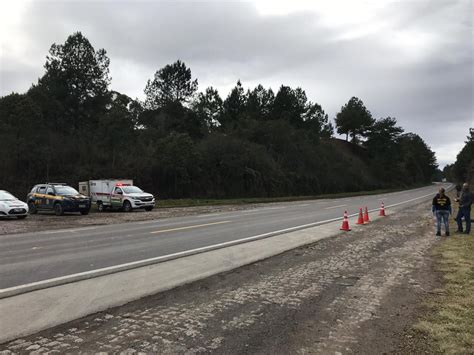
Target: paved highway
31, 257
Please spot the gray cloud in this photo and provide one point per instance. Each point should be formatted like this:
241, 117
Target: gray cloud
412, 60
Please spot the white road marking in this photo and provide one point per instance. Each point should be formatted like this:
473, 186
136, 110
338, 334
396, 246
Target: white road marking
251, 211
264, 209
55, 232
188, 227
84, 229
68, 230
330, 208
212, 214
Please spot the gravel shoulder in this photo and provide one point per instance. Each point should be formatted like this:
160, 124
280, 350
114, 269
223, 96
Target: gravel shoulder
446, 323
358, 292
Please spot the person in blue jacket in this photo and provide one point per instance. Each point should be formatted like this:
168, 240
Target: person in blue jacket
442, 210
465, 203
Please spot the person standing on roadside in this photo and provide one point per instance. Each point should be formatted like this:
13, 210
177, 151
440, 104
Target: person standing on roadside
458, 190
465, 203
442, 209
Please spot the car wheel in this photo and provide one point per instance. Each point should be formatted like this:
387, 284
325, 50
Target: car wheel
58, 209
100, 206
148, 209
127, 206
84, 212
32, 208
21, 217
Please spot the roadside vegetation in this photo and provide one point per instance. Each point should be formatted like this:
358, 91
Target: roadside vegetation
449, 320
463, 168
182, 143
238, 201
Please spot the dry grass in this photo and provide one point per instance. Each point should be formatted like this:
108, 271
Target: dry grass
450, 322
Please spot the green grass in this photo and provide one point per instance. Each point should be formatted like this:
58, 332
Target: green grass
169, 203
450, 322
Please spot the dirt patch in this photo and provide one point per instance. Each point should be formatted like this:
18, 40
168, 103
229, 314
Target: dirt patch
355, 293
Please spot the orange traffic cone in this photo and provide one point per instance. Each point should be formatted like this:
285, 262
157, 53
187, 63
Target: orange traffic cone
345, 223
360, 220
382, 210
366, 215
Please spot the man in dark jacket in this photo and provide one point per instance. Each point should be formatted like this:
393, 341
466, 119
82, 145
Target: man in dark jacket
465, 202
442, 209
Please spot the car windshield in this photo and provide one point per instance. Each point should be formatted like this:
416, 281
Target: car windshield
65, 190
6, 196
131, 189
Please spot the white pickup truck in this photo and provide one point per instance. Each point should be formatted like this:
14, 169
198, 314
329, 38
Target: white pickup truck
117, 194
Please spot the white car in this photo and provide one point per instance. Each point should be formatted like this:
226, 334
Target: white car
132, 197
10, 206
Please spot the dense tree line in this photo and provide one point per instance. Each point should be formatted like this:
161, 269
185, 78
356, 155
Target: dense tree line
462, 169
183, 143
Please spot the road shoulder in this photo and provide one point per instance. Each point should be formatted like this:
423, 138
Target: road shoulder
445, 323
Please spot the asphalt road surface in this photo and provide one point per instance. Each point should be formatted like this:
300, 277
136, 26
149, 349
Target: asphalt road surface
31, 257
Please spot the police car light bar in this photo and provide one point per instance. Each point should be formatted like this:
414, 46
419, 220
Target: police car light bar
122, 184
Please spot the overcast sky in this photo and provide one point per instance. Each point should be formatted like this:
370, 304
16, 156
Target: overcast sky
412, 60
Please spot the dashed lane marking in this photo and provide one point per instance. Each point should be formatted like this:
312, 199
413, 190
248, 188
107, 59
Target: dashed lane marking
264, 209
188, 227
330, 208
67, 230
213, 214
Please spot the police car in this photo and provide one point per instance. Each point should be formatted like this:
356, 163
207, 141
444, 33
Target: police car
10, 206
57, 197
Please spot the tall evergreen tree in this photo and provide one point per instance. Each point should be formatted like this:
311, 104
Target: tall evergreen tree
383, 147
209, 107
78, 77
317, 122
259, 103
290, 105
418, 158
234, 105
354, 119
463, 168
171, 84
